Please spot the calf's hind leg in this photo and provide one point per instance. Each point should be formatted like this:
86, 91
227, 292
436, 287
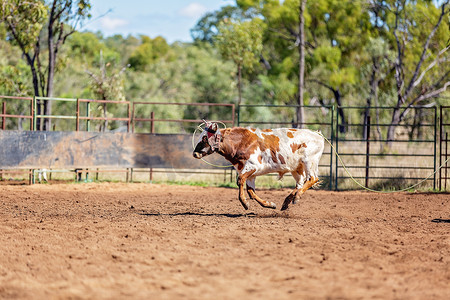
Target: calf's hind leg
251, 192
293, 195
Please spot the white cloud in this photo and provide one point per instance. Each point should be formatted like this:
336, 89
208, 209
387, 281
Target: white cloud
108, 23
193, 10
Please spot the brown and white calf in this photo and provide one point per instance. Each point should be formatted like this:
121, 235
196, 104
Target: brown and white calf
255, 152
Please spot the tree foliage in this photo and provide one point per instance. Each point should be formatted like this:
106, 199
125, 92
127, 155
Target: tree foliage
367, 53
241, 42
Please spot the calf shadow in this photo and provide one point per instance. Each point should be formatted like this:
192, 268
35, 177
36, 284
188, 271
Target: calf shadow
247, 215
275, 215
440, 220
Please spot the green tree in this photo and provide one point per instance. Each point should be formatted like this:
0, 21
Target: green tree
207, 27
421, 69
38, 27
240, 42
149, 52
107, 84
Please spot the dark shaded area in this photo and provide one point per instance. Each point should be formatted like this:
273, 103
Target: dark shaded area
440, 220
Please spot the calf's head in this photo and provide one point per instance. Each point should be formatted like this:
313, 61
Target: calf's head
208, 141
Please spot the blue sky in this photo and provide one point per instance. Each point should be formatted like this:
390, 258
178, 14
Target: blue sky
171, 19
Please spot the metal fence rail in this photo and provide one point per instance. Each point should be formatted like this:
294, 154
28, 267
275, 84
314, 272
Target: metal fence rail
137, 118
360, 139
4, 114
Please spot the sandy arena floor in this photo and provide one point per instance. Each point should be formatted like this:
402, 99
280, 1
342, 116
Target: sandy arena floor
143, 241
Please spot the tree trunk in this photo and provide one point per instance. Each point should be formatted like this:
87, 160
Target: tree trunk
394, 122
301, 67
105, 124
373, 93
50, 76
36, 90
343, 125
420, 117
239, 85
416, 127
366, 119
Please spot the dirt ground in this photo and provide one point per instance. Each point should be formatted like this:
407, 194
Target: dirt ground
144, 241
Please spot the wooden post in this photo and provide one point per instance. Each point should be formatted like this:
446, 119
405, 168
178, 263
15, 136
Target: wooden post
133, 121
151, 174
367, 150
31, 115
129, 118
88, 115
152, 123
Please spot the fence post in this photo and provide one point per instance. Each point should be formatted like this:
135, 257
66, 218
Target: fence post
367, 150
238, 114
34, 113
337, 151
446, 157
331, 147
152, 123
88, 115
31, 115
233, 113
440, 147
3, 117
132, 118
78, 115
129, 118
435, 146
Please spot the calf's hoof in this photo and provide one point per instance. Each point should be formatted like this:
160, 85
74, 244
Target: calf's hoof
285, 206
272, 205
244, 204
287, 201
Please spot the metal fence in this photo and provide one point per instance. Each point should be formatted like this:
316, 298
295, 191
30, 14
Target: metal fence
444, 153
378, 161
359, 134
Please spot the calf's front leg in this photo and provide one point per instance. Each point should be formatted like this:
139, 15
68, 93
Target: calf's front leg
251, 192
240, 182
